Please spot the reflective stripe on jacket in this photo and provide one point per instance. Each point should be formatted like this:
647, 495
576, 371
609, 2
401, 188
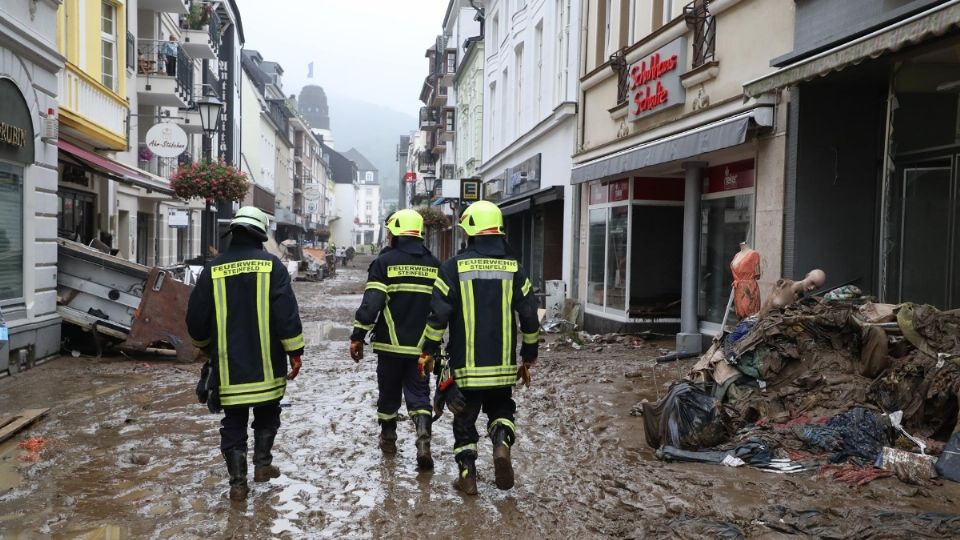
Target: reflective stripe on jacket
481, 295
396, 299
244, 313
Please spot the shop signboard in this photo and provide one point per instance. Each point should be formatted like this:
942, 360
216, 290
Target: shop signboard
16, 127
469, 190
524, 177
654, 80
658, 189
729, 177
177, 218
166, 140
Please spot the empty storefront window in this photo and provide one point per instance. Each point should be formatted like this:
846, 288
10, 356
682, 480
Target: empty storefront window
724, 223
598, 241
617, 257
11, 231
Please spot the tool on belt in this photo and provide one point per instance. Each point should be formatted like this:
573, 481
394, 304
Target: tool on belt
447, 393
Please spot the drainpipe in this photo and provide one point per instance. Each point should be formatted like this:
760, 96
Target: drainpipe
689, 340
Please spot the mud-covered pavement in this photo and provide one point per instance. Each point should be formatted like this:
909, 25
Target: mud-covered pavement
131, 454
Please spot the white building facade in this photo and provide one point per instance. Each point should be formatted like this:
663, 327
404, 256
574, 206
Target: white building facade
531, 50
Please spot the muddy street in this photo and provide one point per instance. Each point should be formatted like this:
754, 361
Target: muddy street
130, 454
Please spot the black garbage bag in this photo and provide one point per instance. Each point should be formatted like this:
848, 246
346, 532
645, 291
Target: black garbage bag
686, 418
948, 465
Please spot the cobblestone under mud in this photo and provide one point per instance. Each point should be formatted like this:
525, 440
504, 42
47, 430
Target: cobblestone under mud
131, 454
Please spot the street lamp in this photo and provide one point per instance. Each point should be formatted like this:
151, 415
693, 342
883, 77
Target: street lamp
209, 108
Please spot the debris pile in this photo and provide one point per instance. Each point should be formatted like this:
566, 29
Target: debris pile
854, 389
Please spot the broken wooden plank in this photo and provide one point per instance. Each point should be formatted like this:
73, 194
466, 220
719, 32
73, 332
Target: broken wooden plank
10, 425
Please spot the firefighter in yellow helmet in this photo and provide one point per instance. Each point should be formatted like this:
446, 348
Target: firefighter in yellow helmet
481, 296
395, 304
244, 314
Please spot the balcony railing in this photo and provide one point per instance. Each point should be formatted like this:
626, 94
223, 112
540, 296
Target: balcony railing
429, 118
162, 167
81, 95
166, 59
698, 17
277, 113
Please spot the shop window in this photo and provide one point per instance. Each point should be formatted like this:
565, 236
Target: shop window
617, 258
597, 256
656, 257
11, 232
724, 224
75, 215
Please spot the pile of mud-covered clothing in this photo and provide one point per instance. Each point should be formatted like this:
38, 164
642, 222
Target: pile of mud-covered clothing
818, 382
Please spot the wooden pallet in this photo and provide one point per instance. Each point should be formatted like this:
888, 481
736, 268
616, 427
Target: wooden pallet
11, 424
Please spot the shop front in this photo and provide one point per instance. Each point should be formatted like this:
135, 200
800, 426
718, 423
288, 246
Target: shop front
28, 255
873, 186
533, 214
635, 245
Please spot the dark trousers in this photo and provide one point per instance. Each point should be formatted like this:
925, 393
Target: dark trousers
233, 427
171, 65
496, 403
397, 377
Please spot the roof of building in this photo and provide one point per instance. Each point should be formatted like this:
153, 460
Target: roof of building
362, 162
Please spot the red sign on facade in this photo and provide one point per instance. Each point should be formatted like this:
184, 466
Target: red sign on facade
658, 189
619, 190
728, 177
655, 80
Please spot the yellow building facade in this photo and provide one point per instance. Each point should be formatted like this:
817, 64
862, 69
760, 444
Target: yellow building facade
92, 36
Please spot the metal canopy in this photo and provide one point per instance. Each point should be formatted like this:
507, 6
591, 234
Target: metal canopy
724, 133
922, 26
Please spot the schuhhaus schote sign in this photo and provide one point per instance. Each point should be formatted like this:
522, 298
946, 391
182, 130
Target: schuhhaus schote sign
655, 80
166, 140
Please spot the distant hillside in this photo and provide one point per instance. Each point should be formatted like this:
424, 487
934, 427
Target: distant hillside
374, 130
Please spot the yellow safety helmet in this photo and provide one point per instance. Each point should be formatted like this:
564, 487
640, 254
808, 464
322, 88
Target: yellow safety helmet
482, 218
405, 222
253, 220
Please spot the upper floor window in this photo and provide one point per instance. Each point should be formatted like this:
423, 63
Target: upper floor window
448, 120
698, 17
108, 45
451, 62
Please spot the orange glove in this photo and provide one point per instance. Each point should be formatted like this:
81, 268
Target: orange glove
295, 364
356, 350
425, 365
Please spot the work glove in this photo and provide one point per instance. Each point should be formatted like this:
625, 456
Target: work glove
424, 365
356, 350
295, 364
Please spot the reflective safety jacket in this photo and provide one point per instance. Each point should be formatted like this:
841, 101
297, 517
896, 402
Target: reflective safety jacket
482, 294
396, 300
244, 314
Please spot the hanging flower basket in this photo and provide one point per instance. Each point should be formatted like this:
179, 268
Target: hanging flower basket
211, 181
433, 218
323, 234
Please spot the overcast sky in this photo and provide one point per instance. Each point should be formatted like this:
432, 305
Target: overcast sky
372, 50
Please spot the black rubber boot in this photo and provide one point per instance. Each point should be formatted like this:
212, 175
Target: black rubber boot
423, 423
236, 459
502, 438
467, 479
388, 436
263, 470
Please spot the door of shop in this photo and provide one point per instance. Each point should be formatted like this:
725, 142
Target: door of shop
924, 267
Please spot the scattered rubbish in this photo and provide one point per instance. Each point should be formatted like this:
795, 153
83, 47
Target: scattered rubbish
558, 326
853, 474
948, 465
673, 357
10, 425
895, 418
847, 292
33, 446
916, 469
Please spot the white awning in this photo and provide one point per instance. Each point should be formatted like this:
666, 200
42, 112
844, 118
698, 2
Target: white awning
920, 27
730, 131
